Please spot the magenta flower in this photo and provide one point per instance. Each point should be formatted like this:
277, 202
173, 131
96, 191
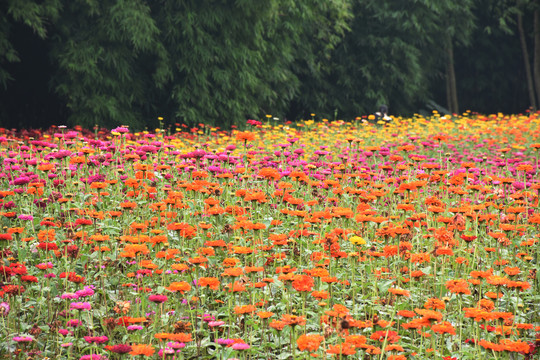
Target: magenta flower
69, 296
73, 323
96, 339
87, 291
221, 341
80, 306
21, 180
23, 338
158, 298
121, 130
93, 357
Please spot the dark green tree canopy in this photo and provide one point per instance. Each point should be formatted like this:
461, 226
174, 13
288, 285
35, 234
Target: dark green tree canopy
113, 62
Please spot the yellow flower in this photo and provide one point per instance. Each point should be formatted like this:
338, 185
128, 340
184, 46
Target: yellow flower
357, 240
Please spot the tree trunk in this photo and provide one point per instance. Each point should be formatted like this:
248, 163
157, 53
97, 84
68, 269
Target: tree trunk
451, 87
448, 91
536, 64
528, 73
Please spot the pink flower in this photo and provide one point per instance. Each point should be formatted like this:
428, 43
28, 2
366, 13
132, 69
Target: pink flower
240, 346
69, 296
63, 332
216, 323
176, 345
73, 323
80, 306
23, 338
158, 298
96, 339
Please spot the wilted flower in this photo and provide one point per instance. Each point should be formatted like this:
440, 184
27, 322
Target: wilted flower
4, 309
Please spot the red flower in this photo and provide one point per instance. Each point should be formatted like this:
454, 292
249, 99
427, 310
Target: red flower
13, 289
47, 246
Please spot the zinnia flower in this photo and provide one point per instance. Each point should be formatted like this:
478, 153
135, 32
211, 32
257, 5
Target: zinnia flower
142, 349
158, 298
119, 349
309, 342
80, 306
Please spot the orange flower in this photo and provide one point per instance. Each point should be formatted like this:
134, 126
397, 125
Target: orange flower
486, 304
478, 314
265, 314
277, 325
491, 346
458, 286
429, 314
406, 313
233, 272
180, 286
417, 323
341, 349
320, 294
182, 337
400, 292
497, 280
338, 310
211, 282
444, 328
303, 283
98, 185
522, 285
309, 342
236, 287
142, 349
270, 173
245, 136
184, 230
515, 346
356, 340
434, 304
293, 320
512, 271
244, 309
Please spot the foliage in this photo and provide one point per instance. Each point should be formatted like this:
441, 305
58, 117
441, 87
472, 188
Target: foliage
220, 62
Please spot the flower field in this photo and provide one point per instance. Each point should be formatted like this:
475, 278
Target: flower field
327, 239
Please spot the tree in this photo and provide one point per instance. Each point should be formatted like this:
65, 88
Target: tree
237, 59
390, 56
110, 61
36, 15
513, 16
